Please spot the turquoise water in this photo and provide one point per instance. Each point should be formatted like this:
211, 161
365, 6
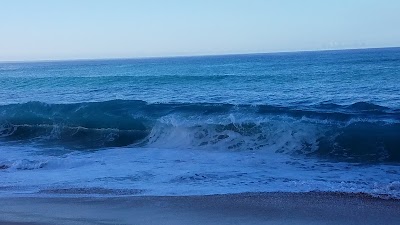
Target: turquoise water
303, 121
295, 79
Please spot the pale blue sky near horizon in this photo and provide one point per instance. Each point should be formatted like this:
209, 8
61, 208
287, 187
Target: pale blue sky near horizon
84, 29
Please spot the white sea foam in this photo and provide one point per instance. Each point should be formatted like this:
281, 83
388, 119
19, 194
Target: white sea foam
162, 171
234, 132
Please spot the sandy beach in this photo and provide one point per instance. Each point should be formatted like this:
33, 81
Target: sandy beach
199, 112
251, 208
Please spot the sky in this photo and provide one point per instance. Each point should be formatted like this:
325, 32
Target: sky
84, 29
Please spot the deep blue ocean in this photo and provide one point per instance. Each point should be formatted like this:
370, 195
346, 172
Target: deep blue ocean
297, 122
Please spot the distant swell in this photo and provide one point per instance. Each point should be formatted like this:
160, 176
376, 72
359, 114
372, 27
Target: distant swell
361, 132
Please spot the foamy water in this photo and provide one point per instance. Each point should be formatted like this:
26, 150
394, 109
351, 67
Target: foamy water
293, 122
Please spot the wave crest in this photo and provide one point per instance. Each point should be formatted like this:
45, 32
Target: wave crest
361, 131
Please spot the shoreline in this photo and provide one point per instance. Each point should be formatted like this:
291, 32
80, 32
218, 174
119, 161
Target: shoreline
245, 208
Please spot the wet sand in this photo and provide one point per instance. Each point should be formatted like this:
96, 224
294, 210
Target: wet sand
249, 208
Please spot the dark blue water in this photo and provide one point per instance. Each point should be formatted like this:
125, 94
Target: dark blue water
340, 109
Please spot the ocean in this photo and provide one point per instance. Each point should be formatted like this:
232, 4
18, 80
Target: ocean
282, 122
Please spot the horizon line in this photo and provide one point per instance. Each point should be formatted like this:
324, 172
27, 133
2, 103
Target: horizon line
188, 56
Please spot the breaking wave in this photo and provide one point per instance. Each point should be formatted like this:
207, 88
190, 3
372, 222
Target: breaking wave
361, 132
